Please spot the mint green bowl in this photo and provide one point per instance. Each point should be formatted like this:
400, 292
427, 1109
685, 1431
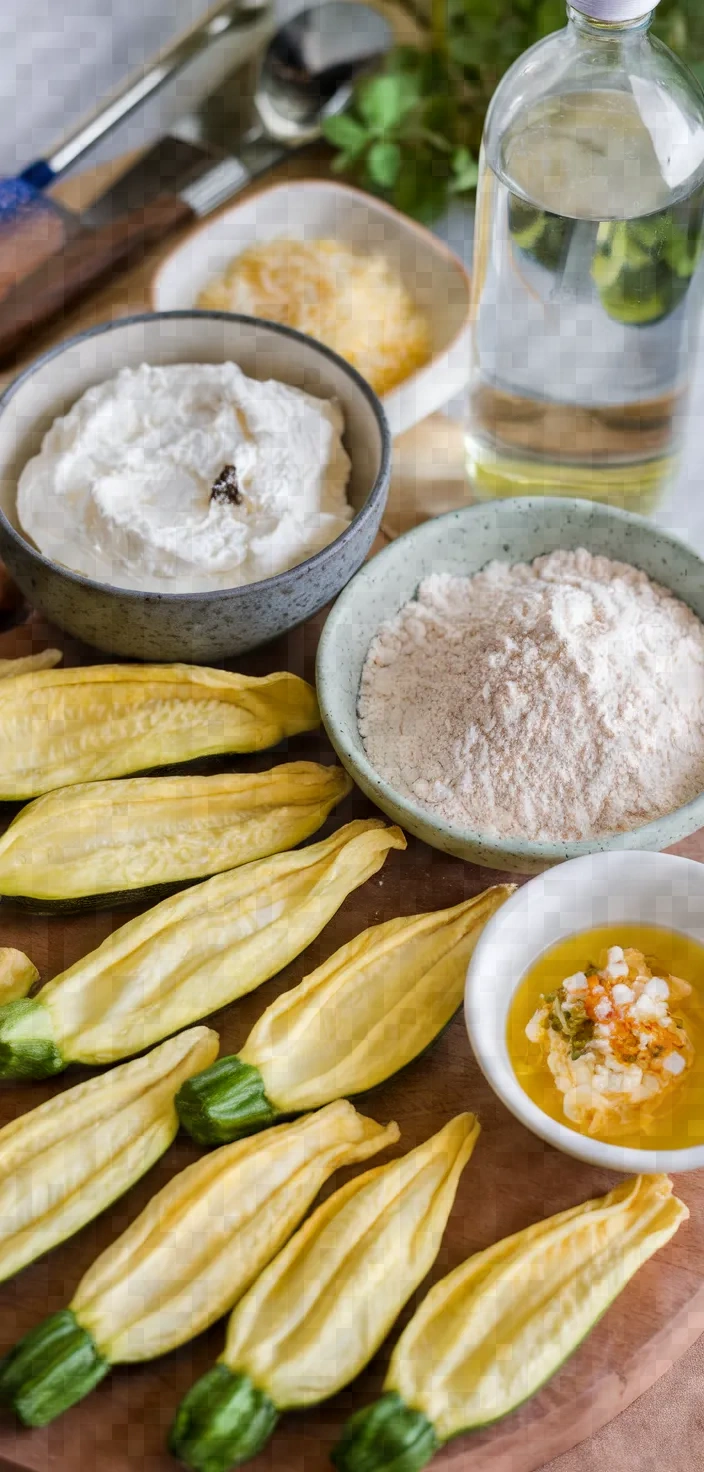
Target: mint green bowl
462, 542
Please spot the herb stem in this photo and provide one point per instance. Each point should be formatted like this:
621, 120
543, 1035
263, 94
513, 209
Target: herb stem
425, 135
438, 26
416, 13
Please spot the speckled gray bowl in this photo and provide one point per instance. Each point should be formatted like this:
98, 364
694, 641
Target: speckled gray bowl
198, 627
462, 543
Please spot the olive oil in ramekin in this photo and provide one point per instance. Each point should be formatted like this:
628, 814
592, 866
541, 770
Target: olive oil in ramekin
677, 1121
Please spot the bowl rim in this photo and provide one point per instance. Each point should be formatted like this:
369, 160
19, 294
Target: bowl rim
318, 559
538, 850
506, 1085
374, 205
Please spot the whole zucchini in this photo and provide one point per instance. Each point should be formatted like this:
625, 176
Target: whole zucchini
195, 1249
189, 955
364, 1014
110, 842
321, 1309
59, 727
63, 1163
491, 1333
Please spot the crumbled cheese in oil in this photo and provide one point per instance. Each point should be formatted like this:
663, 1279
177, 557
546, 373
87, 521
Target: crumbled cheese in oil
613, 1045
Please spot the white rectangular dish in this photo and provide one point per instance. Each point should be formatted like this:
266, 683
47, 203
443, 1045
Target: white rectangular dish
312, 208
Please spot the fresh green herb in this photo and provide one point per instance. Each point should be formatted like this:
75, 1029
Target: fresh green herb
574, 1025
581, 1040
559, 1020
412, 133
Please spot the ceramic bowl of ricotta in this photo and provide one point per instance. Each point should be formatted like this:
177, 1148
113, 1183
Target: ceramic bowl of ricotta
188, 485
576, 725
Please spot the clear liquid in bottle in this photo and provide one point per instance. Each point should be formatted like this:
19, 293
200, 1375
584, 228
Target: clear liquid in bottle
587, 287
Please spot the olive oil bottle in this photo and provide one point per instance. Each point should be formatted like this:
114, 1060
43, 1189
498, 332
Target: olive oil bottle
588, 270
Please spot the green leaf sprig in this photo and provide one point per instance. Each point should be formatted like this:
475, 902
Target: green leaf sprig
412, 132
402, 135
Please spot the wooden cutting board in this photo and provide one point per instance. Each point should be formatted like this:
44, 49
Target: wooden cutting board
512, 1180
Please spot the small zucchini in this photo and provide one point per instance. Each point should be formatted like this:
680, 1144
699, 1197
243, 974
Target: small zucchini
196, 1248
63, 1163
62, 726
189, 955
363, 1015
491, 1333
321, 1309
103, 843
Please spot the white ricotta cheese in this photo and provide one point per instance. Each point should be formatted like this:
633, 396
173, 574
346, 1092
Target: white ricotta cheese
122, 488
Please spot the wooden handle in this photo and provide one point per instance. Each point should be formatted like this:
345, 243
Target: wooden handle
89, 258
27, 241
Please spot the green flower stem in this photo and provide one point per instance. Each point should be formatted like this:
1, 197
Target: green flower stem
52, 1368
416, 12
222, 1422
438, 25
27, 1047
387, 1436
224, 1102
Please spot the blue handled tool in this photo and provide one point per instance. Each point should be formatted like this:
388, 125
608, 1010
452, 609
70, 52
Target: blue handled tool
32, 227
25, 190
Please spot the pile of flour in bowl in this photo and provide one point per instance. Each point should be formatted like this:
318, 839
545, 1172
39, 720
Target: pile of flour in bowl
554, 701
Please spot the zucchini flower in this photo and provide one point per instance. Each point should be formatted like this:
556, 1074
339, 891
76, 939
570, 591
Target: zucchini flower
186, 1260
189, 955
321, 1309
491, 1333
106, 843
17, 975
62, 726
27, 664
63, 1163
363, 1015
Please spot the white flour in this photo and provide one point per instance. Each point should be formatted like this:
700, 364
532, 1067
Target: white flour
556, 701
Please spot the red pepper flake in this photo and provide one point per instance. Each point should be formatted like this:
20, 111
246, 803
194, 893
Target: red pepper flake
227, 487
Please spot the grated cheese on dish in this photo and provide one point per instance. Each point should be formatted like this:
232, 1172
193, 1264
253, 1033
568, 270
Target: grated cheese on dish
611, 1042
355, 304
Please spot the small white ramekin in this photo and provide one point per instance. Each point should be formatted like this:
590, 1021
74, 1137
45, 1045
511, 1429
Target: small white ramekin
306, 209
598, 889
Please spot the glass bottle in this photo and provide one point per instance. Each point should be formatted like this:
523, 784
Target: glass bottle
588, 269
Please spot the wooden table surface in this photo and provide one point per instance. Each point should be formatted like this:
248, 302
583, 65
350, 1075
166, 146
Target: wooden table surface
513, 1179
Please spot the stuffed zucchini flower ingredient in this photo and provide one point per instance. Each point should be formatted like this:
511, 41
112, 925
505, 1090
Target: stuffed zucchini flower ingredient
321, 1309
63, 1163
103, 842
189, 955
612, 1042
492, 1332
193, 1252
59, 727
47, 659
17, 975
360, 1017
